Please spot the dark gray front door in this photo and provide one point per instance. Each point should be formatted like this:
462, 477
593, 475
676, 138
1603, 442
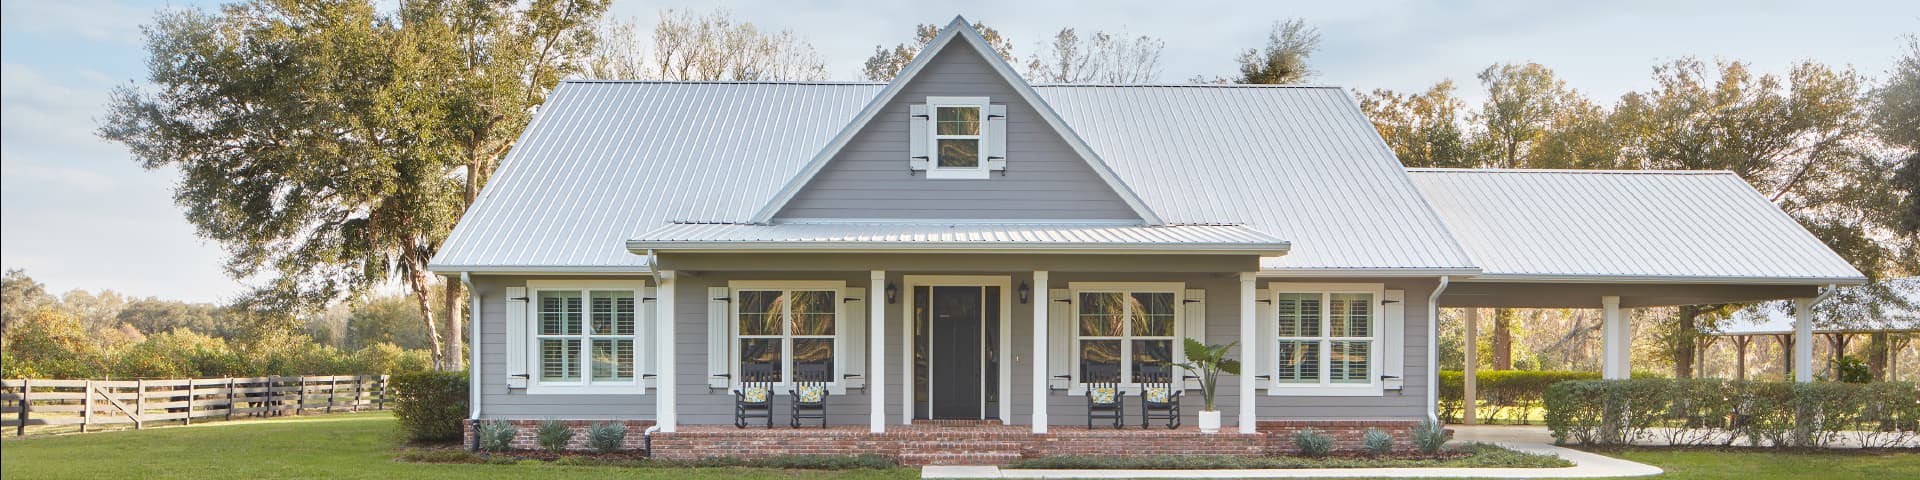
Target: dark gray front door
956, 365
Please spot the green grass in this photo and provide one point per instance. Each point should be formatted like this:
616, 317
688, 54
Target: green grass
1484, 455
1751, 464
360, 445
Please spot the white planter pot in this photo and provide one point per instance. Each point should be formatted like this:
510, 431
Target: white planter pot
1209, 421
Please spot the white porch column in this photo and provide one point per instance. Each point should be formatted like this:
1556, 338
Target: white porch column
666, 413
1616, 335
1041, 301
1803, 340
1470, 377
877, 335
1249, 353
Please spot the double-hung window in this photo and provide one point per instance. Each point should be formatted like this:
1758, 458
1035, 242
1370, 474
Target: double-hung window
959, 137
1326, 339
587, 337
1122, 328
787, 330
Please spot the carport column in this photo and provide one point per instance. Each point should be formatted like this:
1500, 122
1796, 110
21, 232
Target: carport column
1041, 301
1249, 353
666, 413
1616, 334
877, 335
1803, 340
1470, 379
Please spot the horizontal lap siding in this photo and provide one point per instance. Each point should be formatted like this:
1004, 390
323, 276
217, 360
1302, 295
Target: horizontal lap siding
1408, 403
1045, 178
702, 405
496, 402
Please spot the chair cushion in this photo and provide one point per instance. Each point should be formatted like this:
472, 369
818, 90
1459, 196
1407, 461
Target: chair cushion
1101, 395
812, 393
754, 394
1156, 394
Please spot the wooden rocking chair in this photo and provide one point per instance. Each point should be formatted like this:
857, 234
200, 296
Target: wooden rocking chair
1104, 395
809, 393
1159, 395
754, 397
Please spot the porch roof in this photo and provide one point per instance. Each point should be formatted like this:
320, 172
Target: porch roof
981, 237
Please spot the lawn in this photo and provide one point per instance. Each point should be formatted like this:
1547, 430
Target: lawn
359, 445
1746, 464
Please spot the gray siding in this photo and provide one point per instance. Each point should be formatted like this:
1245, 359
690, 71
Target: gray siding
1045, 179
496, 402
1408, 403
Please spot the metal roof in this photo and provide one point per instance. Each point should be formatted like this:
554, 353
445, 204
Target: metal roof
997, 237
1626, 226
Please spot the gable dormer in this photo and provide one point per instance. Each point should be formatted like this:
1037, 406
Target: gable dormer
957, 136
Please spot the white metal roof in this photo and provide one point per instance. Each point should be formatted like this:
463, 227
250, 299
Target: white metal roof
999, 237
1626, 226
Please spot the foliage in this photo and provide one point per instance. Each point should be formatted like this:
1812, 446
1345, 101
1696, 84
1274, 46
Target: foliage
1284, 58
1852, 369
1099, 58
1423, 129
1712, 411
1429, 437
387, 319
710, 46
1208, 361
792, 462
554, 435
496, 435
1896, 119
1377, 442
607, 437
1482, 455
887, 63
1312, 443
1509, 393
431, 405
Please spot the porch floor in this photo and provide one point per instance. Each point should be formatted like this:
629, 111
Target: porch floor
949, 444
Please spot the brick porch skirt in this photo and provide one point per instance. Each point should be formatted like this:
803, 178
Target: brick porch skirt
527, 436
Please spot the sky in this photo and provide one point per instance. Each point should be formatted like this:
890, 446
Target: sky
77, 212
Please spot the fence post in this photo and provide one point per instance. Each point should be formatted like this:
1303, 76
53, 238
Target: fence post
139, 402
229, 398
189, 418
380, 394
333, 388
26, 390
300, 399
86, 414
360, 388
273, 396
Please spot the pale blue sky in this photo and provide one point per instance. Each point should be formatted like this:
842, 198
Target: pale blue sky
77, 212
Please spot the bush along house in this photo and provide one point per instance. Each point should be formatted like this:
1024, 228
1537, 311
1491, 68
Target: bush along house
961, 267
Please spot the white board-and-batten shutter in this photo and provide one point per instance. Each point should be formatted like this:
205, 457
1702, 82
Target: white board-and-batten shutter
853, 339
646, 343
719, 337
1194, 313
1258, 367
1393, 326
996, 137
918, 153
1059, 338
517, 326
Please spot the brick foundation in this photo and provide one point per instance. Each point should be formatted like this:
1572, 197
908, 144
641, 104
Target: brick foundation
528, 437
1347, 435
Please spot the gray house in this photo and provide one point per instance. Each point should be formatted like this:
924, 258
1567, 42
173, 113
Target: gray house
961, 248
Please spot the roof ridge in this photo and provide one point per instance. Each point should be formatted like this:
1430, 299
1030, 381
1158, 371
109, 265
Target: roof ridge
727, 82
1190, 85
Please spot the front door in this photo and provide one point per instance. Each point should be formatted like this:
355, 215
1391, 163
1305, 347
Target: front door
955, 348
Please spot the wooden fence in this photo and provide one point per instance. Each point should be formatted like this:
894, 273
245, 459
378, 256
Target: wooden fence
35, 402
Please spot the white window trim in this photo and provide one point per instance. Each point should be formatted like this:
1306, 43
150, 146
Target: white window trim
642, 349
1270, 320
838, 385
980, 170
1179, 291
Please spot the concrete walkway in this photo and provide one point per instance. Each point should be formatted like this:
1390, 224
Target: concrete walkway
1586, 465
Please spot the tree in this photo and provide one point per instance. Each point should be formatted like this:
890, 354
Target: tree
1284, 59
329, 146
1422, 129
712, 46
19, 295
1100, 58
887, 63
1524, 103
385, 320
1896, 119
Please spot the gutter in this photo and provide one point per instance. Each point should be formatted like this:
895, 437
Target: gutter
1264, 250
1826, 292
1433, 354
473, 349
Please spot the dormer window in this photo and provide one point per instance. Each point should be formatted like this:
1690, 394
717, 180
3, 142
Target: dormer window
958, 137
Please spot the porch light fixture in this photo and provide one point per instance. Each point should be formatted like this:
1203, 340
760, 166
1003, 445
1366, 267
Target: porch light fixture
893, 293
1026, 292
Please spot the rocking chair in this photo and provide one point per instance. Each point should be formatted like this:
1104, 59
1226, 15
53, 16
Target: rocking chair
1104, 395
754, 397
809, 393
1159, 396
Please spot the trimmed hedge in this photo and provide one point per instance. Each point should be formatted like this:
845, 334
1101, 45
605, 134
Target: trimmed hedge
1506, 394
431, 405
1721, 412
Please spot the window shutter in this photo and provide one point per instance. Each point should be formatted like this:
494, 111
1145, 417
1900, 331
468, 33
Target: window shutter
853, 338
997, 137
1195, 313
645, 361
719, 337
918, 135
1059, 337
1263, 326
1393, 349
517, 326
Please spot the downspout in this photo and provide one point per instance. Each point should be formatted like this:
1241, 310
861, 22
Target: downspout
653, 270
653, 267
1433, 355
1826, 292
473, 365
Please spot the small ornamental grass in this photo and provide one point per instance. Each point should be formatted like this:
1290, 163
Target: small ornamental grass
554, 435
1312, 443
1378, 442
607, 437
1429, 437
496, 436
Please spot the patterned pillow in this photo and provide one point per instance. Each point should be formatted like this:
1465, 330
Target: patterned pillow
1101, 395
754, 394
812, 393
1156, 394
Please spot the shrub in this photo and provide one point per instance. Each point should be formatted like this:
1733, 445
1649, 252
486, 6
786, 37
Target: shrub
554, 435
1501, 393
430, 405
496, 435
1378, 442
1312, 443
607, 437
1429, 437
1703, 411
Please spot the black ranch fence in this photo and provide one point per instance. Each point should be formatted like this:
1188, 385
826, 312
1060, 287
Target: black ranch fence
87, 403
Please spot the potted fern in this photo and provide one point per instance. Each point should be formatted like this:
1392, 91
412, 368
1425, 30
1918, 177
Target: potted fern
1207, 361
